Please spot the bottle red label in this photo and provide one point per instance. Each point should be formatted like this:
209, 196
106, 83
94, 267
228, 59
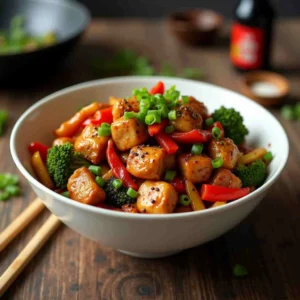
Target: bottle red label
246, 50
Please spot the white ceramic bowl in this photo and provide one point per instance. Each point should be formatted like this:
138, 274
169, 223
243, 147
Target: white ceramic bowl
141, 234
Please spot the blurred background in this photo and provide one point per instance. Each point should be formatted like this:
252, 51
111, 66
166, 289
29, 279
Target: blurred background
158, 9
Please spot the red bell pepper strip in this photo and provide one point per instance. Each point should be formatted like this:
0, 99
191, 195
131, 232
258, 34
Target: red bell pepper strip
179, 185
101, 116
166, 142
118, 168
219, 125
156, 128
191, 137
214, 193
159, 88
36, 146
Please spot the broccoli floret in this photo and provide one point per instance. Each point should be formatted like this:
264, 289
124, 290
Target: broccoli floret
62, 161
117, 197
253, 174
232, 122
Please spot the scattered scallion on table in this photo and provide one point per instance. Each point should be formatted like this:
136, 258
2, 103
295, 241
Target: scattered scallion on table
9, 186
291, 112
127, 62
240, 271
3, 120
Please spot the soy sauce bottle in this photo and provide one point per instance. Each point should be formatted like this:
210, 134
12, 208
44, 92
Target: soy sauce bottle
251, 35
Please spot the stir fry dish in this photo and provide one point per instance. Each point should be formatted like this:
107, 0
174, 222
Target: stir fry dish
16, 40
155, 152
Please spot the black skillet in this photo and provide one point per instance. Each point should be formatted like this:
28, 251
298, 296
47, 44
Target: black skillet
67, 18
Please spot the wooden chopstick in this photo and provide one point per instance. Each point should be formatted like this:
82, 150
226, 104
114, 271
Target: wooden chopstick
11, 231
34, 245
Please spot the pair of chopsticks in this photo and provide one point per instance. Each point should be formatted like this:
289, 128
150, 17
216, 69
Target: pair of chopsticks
34, 245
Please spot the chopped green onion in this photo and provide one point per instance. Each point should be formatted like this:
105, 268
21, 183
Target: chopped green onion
104, 129
170, 175
105, 125
129, 115
132, 193
96, 170
216, 133
144, 105
164, 111
100, 181
141, 116
4, 196
209, 121
185, 99
117, 183
66, 194
287, 112
172, 94
268, 156
197, 149
297, 111
159, 99
240, 271
172, 115
169, 129
217, 162
184, 200
8, 179
150, 119
13, 190
3, 120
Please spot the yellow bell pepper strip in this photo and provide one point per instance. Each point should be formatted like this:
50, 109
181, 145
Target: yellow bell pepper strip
219, 203
41, 170
196, 201
108, 174
250, 157
70, 127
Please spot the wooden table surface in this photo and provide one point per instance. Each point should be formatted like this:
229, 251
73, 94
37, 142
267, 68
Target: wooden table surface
267, 242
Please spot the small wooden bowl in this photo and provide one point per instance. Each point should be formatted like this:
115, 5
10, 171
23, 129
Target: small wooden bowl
280, 83
196, 26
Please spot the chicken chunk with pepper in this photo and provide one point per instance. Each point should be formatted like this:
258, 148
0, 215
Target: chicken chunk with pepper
195, 168
156, 197
146, 162
224, 177
121, 106
128, 133
226, 149
90, 145
83, 188
187, 119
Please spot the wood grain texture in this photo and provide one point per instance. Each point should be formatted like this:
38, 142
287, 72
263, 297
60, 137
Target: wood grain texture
267, 242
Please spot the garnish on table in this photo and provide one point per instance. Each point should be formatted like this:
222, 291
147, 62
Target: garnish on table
3, 120
16, 39
9, 186
127, 62
240, 271
291, 112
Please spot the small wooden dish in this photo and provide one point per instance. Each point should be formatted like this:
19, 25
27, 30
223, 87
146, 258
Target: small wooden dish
273, 80
196, 26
